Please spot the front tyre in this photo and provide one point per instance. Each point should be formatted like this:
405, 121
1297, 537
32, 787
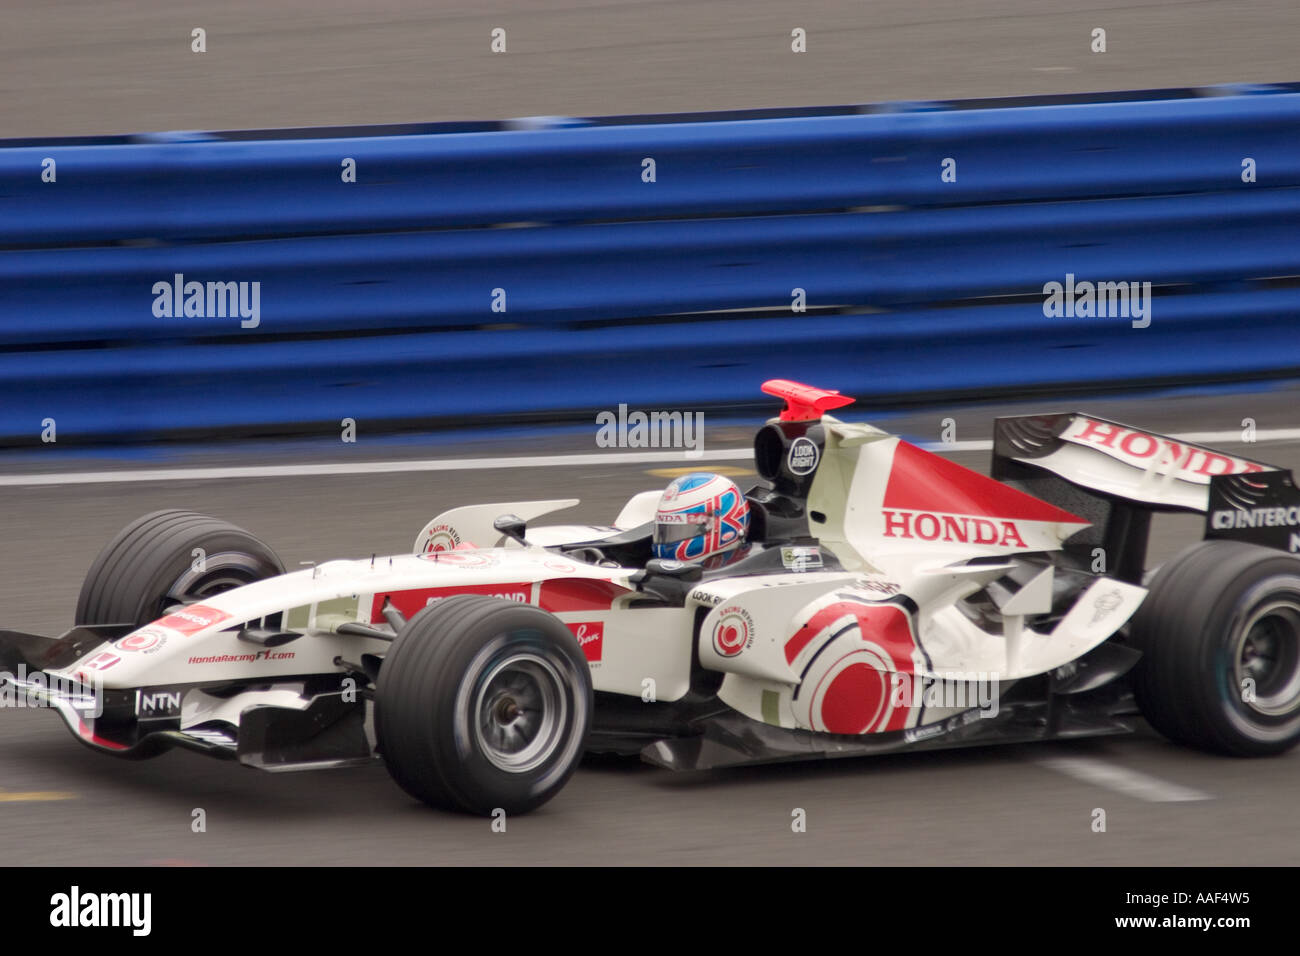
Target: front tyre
1220, 641
483, 705
170, 558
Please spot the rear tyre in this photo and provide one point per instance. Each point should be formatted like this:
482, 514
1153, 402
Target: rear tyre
154, 563
483, 705
1220, 640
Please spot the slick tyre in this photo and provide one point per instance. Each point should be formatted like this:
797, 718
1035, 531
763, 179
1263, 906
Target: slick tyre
1220, 640
169, 558
483, 705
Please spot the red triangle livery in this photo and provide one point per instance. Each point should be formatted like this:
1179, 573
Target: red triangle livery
921, 481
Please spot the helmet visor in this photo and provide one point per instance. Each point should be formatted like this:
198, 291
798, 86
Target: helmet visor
672, 528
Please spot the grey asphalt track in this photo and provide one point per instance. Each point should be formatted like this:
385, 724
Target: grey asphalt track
79, 67
60, 803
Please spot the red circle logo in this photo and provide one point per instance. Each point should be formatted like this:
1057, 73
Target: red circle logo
140, 641
732, 633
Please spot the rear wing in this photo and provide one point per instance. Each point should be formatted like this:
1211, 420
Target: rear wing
1117, 477
1161, 473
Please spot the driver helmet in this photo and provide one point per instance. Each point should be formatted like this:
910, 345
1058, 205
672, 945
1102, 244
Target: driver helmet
700, 515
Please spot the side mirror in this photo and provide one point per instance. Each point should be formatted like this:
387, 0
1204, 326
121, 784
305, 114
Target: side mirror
654, 579
512, 526
267, 637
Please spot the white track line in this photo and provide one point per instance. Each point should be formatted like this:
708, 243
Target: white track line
484, 464
975, 444
372, 467
1206, 438
1131, 783
1262, 434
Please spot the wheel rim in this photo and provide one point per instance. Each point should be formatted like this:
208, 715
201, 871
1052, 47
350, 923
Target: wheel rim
221, 572
1267, 652
520, 712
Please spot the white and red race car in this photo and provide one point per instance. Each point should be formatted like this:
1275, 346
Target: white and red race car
887, 599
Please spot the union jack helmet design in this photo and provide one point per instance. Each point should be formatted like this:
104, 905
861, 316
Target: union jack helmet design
700, 515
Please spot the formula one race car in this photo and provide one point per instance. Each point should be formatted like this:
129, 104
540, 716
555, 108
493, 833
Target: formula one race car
887, 599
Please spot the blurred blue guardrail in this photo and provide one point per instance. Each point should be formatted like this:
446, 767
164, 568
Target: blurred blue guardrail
376, 297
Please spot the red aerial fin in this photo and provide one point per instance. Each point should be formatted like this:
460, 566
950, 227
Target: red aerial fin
803, 402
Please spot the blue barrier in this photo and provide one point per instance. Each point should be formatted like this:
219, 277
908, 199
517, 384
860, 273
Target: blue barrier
436, 377
566, 273
188, 191
376, 296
